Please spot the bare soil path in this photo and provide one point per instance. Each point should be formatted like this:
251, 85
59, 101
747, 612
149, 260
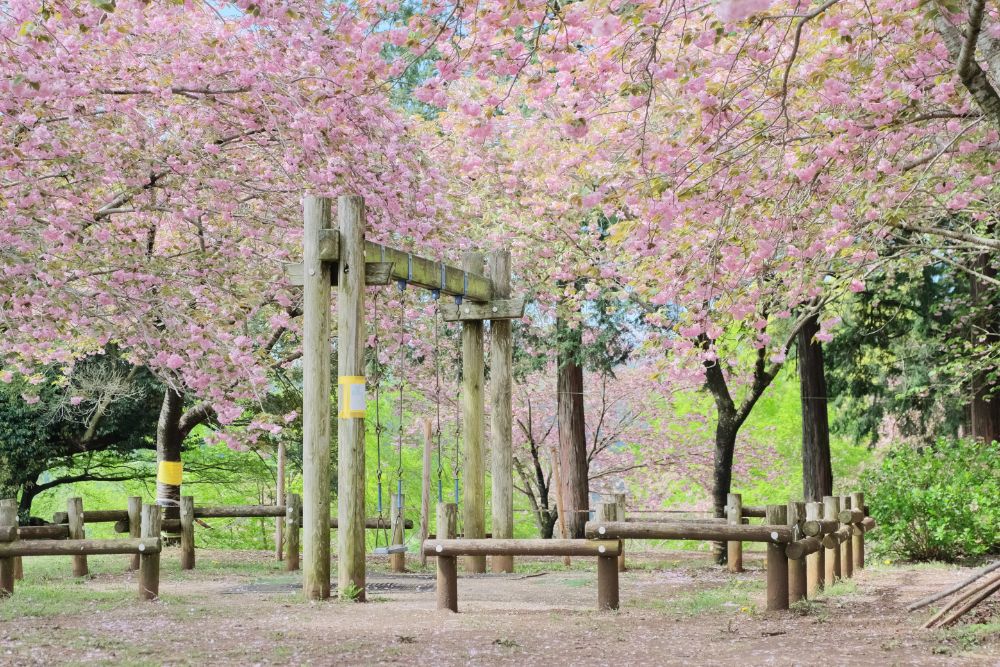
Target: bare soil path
241, 608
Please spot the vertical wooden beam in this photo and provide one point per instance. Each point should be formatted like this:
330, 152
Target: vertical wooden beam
501, 414
447, 521
447, 583
777, 562
8, 518
473, 409
397, 562
187, 532
831, 508
18, 561
279, 496
134, 526
734, 516
351, 424
149, 564
796, 568
858, 502
619, 500
847, 547
814, 561
316, 403
74, 512
607, 583
425, 488
293, 515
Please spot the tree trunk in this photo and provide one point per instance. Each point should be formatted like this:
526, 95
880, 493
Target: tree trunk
817, 472
722, 473
572, 433
168, 454
984, 409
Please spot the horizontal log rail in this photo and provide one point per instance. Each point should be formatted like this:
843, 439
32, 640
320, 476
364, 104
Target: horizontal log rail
835, 539
804, 547
682, 530
53, 532
820, 527
851, 516
79, 547
530, 547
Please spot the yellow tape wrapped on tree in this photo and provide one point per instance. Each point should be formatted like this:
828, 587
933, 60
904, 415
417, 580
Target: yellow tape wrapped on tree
170, 472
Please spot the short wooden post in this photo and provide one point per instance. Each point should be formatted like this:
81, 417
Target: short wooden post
846, 547
447, 581
814, 561
279, 495
187, 532
777, 561
397, 562
18, 564
447, 521
351, 334
831, 508
149, 564
293, 516
858, 502
607, 583
473, 409
134, 526
734, 516
8, 518
425, 489
619, 500
74, 513
501, 415
797, 567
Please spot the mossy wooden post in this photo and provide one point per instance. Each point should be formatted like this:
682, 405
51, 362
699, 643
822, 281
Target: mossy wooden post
18, 564
187, 532
777, 561
316, 402
149, 563
797, 589
74, 517
619, 500
734, 516
814, 561
8, 519
831, 570
293, 518
351, 419
134, 526
473, 407
397, 562
846, 547
501, 415
858, 502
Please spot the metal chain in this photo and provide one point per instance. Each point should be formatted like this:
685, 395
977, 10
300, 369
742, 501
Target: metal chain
458, 411
437, 391
378, 416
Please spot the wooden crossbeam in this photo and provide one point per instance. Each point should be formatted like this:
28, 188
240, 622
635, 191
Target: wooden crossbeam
497, 309
376, 273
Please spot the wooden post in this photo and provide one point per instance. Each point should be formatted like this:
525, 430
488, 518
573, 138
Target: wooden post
847, 547
293, 516
561, 516
447, 521
814, 561
74, 513
425, 489
831, 508
18, 564
796, 568
351, 335
858, 502
279, 496
734, 515
8, 519
607, 583
316, 404
149, 563
447, 580
501, 415
473, 409
187, 532
397, 562
777, 562
134, 526
619, 500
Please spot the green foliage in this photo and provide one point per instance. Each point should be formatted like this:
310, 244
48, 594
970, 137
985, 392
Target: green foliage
936, 502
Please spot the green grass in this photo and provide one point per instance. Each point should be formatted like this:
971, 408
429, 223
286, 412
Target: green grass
841, 588
733, 597
45, 599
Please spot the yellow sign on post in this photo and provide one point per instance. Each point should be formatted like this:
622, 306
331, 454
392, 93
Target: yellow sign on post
170, 472
352, 396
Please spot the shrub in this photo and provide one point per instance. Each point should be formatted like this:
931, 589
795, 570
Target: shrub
939, 502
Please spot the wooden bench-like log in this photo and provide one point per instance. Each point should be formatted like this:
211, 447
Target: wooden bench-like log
53, 532
94, 516
867, 524
834, 540
820, 527
804, 547
851, 516
8, 533
754, 511
681, 530
535, 547
79, 547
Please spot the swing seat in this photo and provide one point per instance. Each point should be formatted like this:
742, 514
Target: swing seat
394, 549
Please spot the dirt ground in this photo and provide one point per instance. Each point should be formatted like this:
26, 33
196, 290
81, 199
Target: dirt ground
243, 609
